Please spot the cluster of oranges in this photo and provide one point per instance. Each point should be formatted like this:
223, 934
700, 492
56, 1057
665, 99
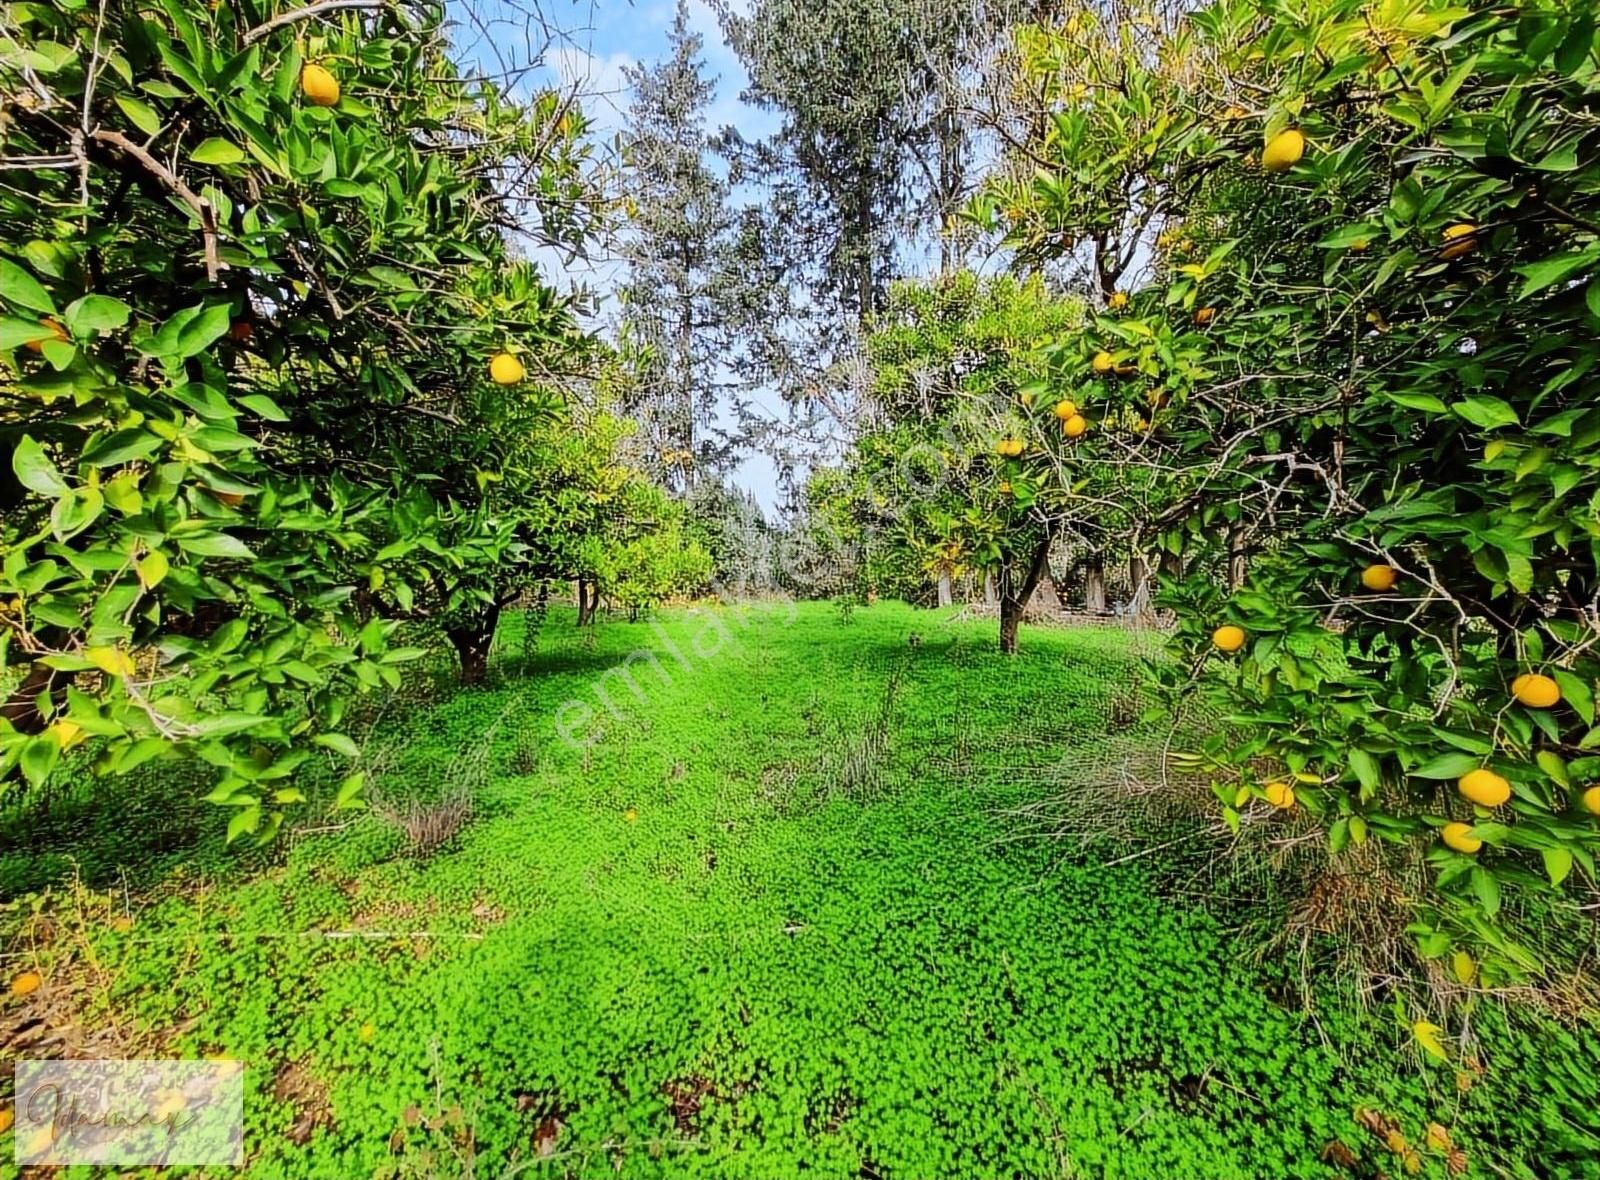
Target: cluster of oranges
1481, 787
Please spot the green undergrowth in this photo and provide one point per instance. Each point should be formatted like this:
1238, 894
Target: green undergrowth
770, 922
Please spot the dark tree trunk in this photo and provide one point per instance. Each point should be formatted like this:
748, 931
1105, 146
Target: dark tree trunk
588, 598
1094, 585
1014, 598
473, 642
22, 708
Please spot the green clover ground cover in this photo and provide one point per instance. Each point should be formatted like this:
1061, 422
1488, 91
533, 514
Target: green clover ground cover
768, 924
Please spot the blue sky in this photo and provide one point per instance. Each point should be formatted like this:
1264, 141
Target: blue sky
599, 40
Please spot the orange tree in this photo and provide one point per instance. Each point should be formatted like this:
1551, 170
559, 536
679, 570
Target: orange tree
1386, 395
955, 370
243, 252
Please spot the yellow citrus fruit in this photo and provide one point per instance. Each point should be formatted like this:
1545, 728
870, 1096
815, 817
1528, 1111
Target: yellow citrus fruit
1283, 151
1204, 315
1074, 426
1228, 637
1459, 837
1280, 795
1010, 447
26, 984
1066, 409
1102, 362
1484, 787
1118, 300
505, 369
1458, 240
1591, 800
6, 1119
1378, 577
320, 87
1535, 691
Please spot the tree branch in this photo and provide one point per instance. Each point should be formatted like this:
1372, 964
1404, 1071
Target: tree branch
201, 208
306, 13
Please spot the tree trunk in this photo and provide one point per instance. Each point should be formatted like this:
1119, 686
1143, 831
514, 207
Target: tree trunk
1094, 585
991, 594
1139, 580
1238, 563
1014, 598
473, 641
946, 596
22, 708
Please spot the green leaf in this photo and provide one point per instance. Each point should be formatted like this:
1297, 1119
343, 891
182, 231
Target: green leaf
1559, 268
349, 793
1555, 766
1576, 692
1366, 768
244, 823
1486, 889
20, 288
263, 407
1557, 864
133, 443
215, 545
39, 758
339, 743
96, 313
34, 469
1447, 766
217, 151
1488, 413
141, 114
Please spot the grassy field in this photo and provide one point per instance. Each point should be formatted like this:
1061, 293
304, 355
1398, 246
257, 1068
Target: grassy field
768, 919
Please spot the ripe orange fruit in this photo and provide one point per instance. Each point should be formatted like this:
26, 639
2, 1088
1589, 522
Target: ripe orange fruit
1102, 362
1484, 787
1010, 447
26, 984
59, 332
1204, 315
319, 86
1378, 577
1228, 638
1458, 240
1459, 837
1535, 691
1280, 795
1074, 426
1066, 409
1591, 800
505, 369
1283, 151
